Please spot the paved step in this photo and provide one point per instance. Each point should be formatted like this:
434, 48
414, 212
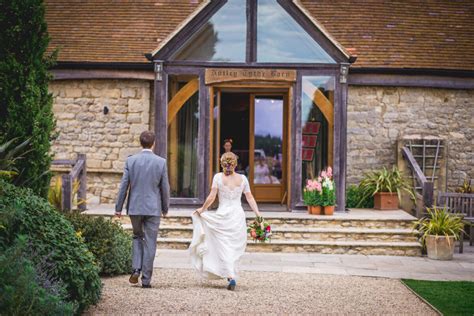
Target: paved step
302, 220
305, 233
325, 247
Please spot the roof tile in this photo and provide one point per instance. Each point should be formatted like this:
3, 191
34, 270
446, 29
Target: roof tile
396, 34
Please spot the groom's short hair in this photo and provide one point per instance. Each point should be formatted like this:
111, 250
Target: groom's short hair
147, 139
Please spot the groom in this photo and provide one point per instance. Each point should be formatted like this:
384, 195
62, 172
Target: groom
145, 179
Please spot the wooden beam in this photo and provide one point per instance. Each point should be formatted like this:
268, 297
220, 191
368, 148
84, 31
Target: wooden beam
181, 97
398, 80
78, 74
251, 45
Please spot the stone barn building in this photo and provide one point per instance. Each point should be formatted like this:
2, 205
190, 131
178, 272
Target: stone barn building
298, 85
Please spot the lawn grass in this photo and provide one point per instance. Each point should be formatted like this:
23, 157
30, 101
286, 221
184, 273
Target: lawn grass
449, 297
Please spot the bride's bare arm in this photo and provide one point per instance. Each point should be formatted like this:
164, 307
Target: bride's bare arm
209, 200
252, 203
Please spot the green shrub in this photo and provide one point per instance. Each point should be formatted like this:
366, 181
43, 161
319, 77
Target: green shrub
25, 102
108, 241
385, 180
439, 222
355, 198
49, 234
27, 289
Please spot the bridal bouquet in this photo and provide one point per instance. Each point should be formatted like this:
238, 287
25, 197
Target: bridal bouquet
260, 230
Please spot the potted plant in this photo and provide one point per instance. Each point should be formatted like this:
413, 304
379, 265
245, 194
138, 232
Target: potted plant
312, 196
328, 196
386, 186
438, 231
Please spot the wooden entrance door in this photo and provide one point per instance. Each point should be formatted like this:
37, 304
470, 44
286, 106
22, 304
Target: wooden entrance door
257, 123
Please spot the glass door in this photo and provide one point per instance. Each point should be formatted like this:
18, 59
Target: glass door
267, 147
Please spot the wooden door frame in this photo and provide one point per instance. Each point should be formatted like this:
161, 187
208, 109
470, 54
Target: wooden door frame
284, 89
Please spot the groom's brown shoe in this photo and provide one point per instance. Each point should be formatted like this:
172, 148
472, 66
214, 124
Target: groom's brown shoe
134, 277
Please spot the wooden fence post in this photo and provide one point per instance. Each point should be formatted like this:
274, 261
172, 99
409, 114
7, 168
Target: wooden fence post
82, 193
428, 192
66, 203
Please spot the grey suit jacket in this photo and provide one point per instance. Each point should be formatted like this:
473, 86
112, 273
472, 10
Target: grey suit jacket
145, 179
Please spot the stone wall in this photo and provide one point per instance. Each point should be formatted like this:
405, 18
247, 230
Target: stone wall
106, 139
378, 116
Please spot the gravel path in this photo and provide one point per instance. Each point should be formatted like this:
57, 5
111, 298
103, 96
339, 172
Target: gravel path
179, 292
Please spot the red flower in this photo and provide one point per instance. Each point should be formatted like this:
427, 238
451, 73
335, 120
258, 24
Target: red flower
268, 228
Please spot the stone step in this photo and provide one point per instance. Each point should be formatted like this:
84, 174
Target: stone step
325, 247
305, 233
400, 221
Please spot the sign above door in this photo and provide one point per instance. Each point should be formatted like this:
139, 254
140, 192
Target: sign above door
216, 75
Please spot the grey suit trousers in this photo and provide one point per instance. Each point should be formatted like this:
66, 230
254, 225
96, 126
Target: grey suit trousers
145, 234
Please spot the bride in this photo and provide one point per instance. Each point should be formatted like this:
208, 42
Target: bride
219, 238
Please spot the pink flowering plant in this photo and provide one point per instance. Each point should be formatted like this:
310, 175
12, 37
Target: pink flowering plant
328, 194
312, 192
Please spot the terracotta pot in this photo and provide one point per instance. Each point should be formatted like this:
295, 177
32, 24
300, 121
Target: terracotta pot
386, 201
309, 208
316, 210
440, 247
329, 210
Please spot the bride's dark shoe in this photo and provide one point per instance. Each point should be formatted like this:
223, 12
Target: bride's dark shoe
231, 285
134, 277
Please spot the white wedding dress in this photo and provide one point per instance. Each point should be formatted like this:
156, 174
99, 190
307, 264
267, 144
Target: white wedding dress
220, 237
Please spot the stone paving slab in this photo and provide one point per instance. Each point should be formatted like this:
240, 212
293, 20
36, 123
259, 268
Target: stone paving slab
395, 267
353, 214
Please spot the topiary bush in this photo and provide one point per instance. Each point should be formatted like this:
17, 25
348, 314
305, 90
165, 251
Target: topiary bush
25, 102
50, 235
355, 195
27, 289
108, 241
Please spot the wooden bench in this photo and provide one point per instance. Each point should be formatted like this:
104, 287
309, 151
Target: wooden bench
461, 204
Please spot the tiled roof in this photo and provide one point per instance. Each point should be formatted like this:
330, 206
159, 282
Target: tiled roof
402, 34
112, 30
432, 34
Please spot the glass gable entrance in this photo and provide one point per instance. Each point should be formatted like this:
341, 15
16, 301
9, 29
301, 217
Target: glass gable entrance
221, 39
277, 37
265, 75
281, 39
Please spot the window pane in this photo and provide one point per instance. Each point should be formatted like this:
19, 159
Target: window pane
222, 38
317, 98
268, 135
281, 39
183, 141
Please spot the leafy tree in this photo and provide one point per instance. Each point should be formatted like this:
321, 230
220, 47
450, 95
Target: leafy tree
25, 103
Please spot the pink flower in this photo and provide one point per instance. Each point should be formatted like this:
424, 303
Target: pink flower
329, 172
323, 174
253, 233
320, 179
318, 186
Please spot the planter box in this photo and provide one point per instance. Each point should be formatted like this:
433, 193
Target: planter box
386, 201
440, 247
